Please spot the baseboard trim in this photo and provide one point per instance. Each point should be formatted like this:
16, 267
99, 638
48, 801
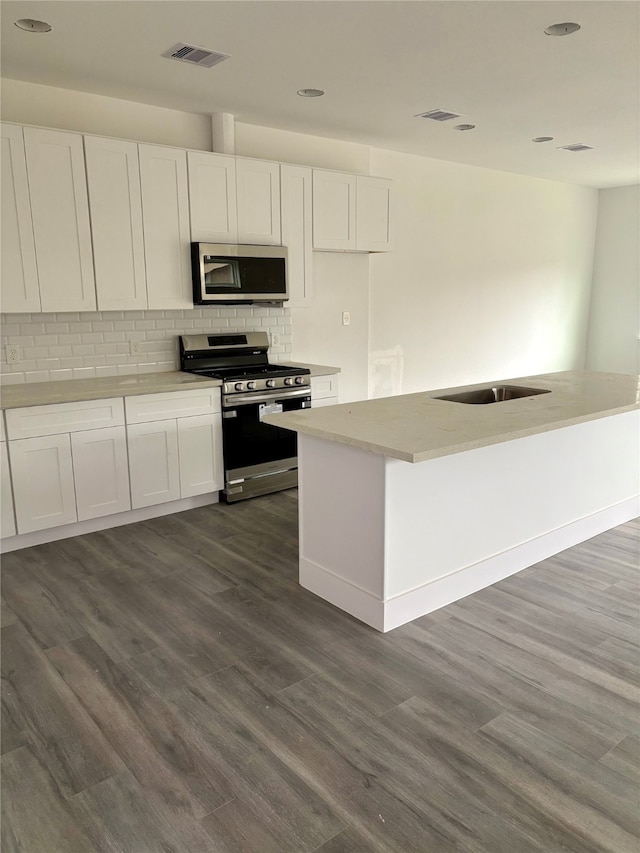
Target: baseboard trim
387, 615
54, 534
344, 595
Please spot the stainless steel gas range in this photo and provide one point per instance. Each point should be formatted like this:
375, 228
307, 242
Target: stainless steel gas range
258, 458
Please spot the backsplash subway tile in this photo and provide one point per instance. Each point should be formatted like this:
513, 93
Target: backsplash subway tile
71, 345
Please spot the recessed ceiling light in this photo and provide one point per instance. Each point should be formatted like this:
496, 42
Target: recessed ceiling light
30, 25
562, 29
542, 139
310, 93
464, 126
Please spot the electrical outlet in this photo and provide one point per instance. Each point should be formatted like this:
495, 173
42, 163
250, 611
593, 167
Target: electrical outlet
135, 347
275, 339
11, 353
346, 318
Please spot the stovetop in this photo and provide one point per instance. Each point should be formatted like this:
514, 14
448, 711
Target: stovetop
240, 361
250, 371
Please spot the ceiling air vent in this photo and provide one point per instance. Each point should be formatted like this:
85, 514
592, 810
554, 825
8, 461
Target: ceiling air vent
195, 55
577, 146
438, 115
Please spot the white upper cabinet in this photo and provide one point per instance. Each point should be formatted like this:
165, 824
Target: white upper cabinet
113, 177
165, 214
258, 190
233, 200
212, 197
334, 211
20, 290
351, 213
297, 236
60, 212
373, 202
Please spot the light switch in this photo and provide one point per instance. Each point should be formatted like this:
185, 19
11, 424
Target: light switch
346, 318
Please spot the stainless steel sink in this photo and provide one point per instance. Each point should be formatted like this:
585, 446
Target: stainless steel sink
493, 394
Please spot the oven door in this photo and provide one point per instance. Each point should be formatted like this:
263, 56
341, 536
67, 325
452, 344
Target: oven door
259, 457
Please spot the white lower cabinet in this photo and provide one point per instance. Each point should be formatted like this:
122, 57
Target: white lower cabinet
7, 517
100, 472
173, 454
324, 391
70, 462
43, 487
153, 463
200, 454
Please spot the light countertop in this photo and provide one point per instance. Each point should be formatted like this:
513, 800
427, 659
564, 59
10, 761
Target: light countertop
75, 390
316, 369
417, 427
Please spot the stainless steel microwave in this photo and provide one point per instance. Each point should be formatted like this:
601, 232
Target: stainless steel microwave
233, 274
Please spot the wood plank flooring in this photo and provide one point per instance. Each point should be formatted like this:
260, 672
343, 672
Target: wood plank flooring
169, 688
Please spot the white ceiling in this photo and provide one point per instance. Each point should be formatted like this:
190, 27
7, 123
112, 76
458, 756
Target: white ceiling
379, 62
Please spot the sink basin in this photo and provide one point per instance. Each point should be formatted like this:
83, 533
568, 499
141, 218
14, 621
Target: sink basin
492, 394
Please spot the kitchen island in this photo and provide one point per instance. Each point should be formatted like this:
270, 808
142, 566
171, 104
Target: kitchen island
408, 503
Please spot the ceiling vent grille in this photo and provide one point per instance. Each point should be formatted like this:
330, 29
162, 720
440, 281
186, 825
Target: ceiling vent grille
577, 146
438, 115
195, 55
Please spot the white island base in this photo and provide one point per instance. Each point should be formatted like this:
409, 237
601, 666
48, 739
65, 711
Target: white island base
388, 541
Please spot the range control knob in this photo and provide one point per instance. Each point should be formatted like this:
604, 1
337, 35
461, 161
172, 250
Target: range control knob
288, 380
251, 385
238, 386
271, 383
299, 380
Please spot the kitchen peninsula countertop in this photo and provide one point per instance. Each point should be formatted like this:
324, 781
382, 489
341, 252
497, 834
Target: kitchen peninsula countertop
417, 427
97, 388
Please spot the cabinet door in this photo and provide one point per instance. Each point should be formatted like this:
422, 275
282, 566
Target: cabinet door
212, 197
373, 202
324, 390
7, 518
100, 471
43, 489
60, 211
334, 211
20, 291
153, 463
258, 187
113, 176
297, 235
165, 219
200, 451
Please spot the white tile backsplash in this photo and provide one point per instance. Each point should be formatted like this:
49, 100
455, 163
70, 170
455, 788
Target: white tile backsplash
73, 345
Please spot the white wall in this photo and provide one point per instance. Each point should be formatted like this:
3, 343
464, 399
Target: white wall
614, 327
490, 277
47, 106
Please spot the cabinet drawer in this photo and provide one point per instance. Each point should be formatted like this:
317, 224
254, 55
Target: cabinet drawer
64, 417
323, 386
173, 404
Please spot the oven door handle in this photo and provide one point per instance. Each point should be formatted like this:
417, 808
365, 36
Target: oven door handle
233, 400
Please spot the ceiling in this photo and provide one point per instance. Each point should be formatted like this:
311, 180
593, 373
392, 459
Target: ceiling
380, 63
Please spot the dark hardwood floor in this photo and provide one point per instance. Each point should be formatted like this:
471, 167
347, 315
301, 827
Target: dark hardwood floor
169, 688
